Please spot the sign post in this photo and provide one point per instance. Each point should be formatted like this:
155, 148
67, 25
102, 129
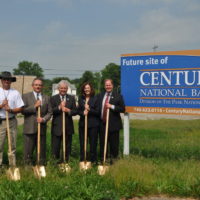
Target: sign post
126, 133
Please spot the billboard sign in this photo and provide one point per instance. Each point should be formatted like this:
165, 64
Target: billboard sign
161, 82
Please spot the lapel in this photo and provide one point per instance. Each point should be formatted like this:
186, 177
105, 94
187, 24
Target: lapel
32, 98
90, 100
82, 101
101, 99
67, 100
43, 99
112, 97
57, 99
43, 102
102, 96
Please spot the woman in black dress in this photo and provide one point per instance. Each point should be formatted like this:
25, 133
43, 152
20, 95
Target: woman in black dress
88, 105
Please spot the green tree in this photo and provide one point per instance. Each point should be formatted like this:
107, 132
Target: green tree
97, 82
47, 89
111, 71
87, 77
28, 68
76, 81
58, 79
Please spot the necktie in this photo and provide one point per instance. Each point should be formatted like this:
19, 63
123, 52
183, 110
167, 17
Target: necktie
63, 100
104, 108
38, 96
38, 99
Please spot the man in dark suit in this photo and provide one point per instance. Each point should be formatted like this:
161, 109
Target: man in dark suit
32, 101
113, 101
62, 102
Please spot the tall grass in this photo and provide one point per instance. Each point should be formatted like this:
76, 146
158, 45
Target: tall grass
171, 139
164, 159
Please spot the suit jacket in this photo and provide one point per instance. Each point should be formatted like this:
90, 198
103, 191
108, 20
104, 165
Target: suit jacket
56, 128
30, 113
115, 122
93, 114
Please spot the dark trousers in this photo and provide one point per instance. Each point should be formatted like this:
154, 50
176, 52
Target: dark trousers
30, 145
92, 136
56, 144
112, 143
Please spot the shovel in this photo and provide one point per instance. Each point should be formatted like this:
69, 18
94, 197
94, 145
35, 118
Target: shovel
39, 170
102, 169
85, 164
64, 166
13, 172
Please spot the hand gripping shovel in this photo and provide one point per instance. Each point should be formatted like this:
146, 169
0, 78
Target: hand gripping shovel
39, 170
64, 166
102, 169
13, 172
85, 164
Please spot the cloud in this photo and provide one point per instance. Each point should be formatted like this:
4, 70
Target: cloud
65, 3
139, 2
169, 30
58, 48
53, 30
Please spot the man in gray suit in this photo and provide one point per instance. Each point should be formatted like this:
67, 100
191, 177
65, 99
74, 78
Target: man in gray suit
32, 101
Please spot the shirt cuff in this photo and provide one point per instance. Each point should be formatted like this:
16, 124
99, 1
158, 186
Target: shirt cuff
113, 107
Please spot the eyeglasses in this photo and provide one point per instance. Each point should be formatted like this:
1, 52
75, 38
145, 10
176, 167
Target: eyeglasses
6, 79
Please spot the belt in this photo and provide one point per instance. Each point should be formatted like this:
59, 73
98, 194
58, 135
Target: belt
8, 118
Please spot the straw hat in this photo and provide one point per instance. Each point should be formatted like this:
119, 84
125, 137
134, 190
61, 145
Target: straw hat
8, 76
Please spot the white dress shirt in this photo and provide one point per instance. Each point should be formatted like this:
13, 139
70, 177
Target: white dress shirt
14, 101
103, 102
38, 95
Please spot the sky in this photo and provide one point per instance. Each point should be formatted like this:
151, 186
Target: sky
68, 37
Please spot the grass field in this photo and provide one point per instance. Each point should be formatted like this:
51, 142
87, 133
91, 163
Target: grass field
164, 159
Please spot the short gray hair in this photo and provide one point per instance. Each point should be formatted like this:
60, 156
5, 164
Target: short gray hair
63, 82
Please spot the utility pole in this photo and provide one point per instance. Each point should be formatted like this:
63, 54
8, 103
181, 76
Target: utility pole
154, 48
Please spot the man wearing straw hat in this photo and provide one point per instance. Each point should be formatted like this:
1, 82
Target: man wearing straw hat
11, 102
110, 99
32, 101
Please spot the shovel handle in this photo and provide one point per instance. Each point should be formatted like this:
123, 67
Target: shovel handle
85, 132
8, 132
106, 135
38, 136
85, 137
64, 136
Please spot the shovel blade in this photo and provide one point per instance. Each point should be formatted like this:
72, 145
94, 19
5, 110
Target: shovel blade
14, 174
64, 167
85, 166
102, 169
39, 171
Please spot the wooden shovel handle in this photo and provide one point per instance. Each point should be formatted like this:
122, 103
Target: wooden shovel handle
85, 132
8, 132
64, 136
106, 136
85, 137
38, 136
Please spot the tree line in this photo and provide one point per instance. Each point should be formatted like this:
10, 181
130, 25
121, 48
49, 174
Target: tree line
111, 71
